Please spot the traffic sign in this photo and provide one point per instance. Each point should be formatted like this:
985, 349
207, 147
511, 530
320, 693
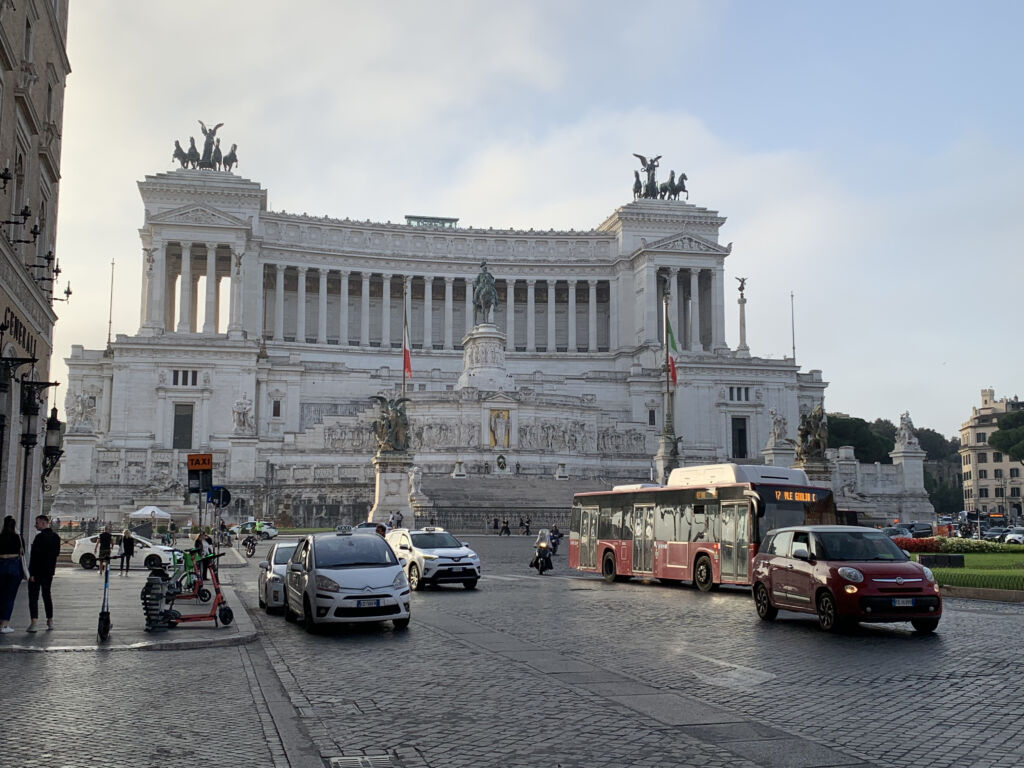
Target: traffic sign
200, 461
219, 496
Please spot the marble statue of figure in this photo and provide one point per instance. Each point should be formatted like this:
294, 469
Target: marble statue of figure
499, 428
415, 481
779, 429
812, 435
905, 434
241, 413
485, 295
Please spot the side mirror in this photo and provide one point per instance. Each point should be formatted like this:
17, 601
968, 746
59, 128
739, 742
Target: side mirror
906, 553
404, 548
464, 543
296, 567
800, 552
265, 565
402, 562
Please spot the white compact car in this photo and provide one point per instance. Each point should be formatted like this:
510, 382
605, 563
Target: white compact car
269, 531
146, 552
270, 583
1014, 536
344, 578
435, 557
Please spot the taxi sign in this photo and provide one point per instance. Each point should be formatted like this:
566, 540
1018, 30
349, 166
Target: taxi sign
200, 461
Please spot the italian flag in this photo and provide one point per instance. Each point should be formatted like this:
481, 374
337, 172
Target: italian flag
406, 355
671, 341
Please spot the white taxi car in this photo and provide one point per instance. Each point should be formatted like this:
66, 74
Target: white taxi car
435, 557
341, 578
146, 552
270, 583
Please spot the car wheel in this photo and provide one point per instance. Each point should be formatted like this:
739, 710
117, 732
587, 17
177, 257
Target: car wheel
763, 603
828, 615
414, 578
261, 601
153, 561
308, 620
469, 584
608, 567
400, 624
704, 574
264, 535
87, 561
924, 626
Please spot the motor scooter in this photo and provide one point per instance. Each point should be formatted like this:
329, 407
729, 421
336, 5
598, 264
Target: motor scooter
249, 542
542, 559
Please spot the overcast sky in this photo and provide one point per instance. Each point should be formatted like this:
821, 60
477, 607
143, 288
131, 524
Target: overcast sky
868, 155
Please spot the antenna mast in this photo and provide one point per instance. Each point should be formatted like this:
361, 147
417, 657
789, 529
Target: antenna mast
792, 324
110, 310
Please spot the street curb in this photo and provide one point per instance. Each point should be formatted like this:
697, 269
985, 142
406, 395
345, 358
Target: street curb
245, 635
975, 593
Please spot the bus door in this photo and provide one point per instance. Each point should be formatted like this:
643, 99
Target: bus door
643, 538
735, 541
588, 537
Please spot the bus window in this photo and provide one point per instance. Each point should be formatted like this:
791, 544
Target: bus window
699, 529
575, 518
666, 527
714, 524
609, 524
685, 522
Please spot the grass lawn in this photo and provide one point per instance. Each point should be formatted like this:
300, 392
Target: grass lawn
985, 570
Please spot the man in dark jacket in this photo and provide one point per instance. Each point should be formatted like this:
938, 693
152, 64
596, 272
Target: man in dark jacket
41, 565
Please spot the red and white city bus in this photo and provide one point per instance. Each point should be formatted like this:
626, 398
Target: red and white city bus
703, 526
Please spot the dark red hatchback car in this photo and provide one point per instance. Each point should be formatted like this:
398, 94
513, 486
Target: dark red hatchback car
844, 574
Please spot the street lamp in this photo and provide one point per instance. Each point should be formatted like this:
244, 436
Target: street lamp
53, 448
8, 368
30, 433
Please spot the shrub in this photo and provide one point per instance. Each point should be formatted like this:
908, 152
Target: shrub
979, 579
918, 545
971, 545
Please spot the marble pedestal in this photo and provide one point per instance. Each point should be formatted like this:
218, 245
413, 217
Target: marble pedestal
483, 360
666, 459
391, 493
819, 472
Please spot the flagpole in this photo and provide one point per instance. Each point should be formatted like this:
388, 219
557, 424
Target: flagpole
669, 428
405, 338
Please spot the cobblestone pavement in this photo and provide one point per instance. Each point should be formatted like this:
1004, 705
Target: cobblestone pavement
564, 670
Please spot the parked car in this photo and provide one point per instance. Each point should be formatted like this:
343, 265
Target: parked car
1014, 536
435, 557
340, 577
844, 574
994, 533
244, 529
897, 533
270, 583
146, 552
920, 530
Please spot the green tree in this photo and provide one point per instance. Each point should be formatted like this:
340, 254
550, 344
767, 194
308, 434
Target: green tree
870, 441
936, 446
947, 498
1009, 438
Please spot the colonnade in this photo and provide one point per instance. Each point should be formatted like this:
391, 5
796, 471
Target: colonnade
171, 281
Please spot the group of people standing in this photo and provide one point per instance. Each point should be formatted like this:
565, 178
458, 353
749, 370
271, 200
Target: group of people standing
104, 549
38, 571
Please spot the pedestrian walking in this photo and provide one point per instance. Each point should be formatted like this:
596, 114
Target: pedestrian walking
127, 551
42, 563
12, 571
504, 528
497, 530
522, 525
104, 545
398, 519
527, 525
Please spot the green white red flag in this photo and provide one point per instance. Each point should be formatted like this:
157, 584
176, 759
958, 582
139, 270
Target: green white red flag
671, 341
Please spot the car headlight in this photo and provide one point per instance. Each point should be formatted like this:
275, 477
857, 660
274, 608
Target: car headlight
851, 574
473, 556
324, 584
400, 580
928, 573
429, 557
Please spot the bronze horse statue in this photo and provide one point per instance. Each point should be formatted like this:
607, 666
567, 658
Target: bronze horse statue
485, 295
231, 158
179, 154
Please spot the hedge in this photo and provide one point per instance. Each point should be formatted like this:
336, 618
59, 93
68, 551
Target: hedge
918, 545
979, 578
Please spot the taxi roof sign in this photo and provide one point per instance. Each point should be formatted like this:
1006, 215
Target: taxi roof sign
200, 461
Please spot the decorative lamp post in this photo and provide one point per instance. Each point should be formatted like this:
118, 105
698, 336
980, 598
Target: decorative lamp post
53, 448
30, 435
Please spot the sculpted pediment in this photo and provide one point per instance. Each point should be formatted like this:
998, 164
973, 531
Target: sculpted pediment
686, 242
499, 398
199, 214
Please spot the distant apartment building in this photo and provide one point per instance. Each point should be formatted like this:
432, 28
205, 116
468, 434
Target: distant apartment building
992, 481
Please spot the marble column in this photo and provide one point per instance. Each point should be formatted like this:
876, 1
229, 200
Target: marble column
469, 304
428, 312
531, 319
448, 282
718, 307
592, 316
613, 315
343, 310
510, 315
695, 344
158, 290
385, 312
673, 304
321, 311
407, 312
235, 294
364, 313
279, 304
571, 340
169, 300
210, 313
193, 314
185, 289
551, 341
300, 307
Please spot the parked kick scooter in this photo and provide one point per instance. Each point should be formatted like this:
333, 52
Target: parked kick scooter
219, 608
103, 625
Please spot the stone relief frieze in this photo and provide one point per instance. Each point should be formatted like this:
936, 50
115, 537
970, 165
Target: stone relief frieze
444, 434
565, 435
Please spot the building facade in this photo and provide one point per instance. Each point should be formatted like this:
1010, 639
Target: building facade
263, 334
33, 71
992, 481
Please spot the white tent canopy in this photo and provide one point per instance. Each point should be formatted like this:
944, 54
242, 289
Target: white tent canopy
151, 512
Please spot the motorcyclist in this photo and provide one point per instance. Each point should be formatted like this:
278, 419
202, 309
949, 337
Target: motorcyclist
556, 538
259, 529
542, 544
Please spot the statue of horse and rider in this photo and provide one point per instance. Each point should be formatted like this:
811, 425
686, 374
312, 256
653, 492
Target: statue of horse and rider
650, 189
485, 295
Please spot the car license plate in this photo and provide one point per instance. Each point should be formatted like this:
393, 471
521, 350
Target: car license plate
903, 602
367, 603
456, 569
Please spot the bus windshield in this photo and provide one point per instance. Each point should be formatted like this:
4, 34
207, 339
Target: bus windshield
784, 506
